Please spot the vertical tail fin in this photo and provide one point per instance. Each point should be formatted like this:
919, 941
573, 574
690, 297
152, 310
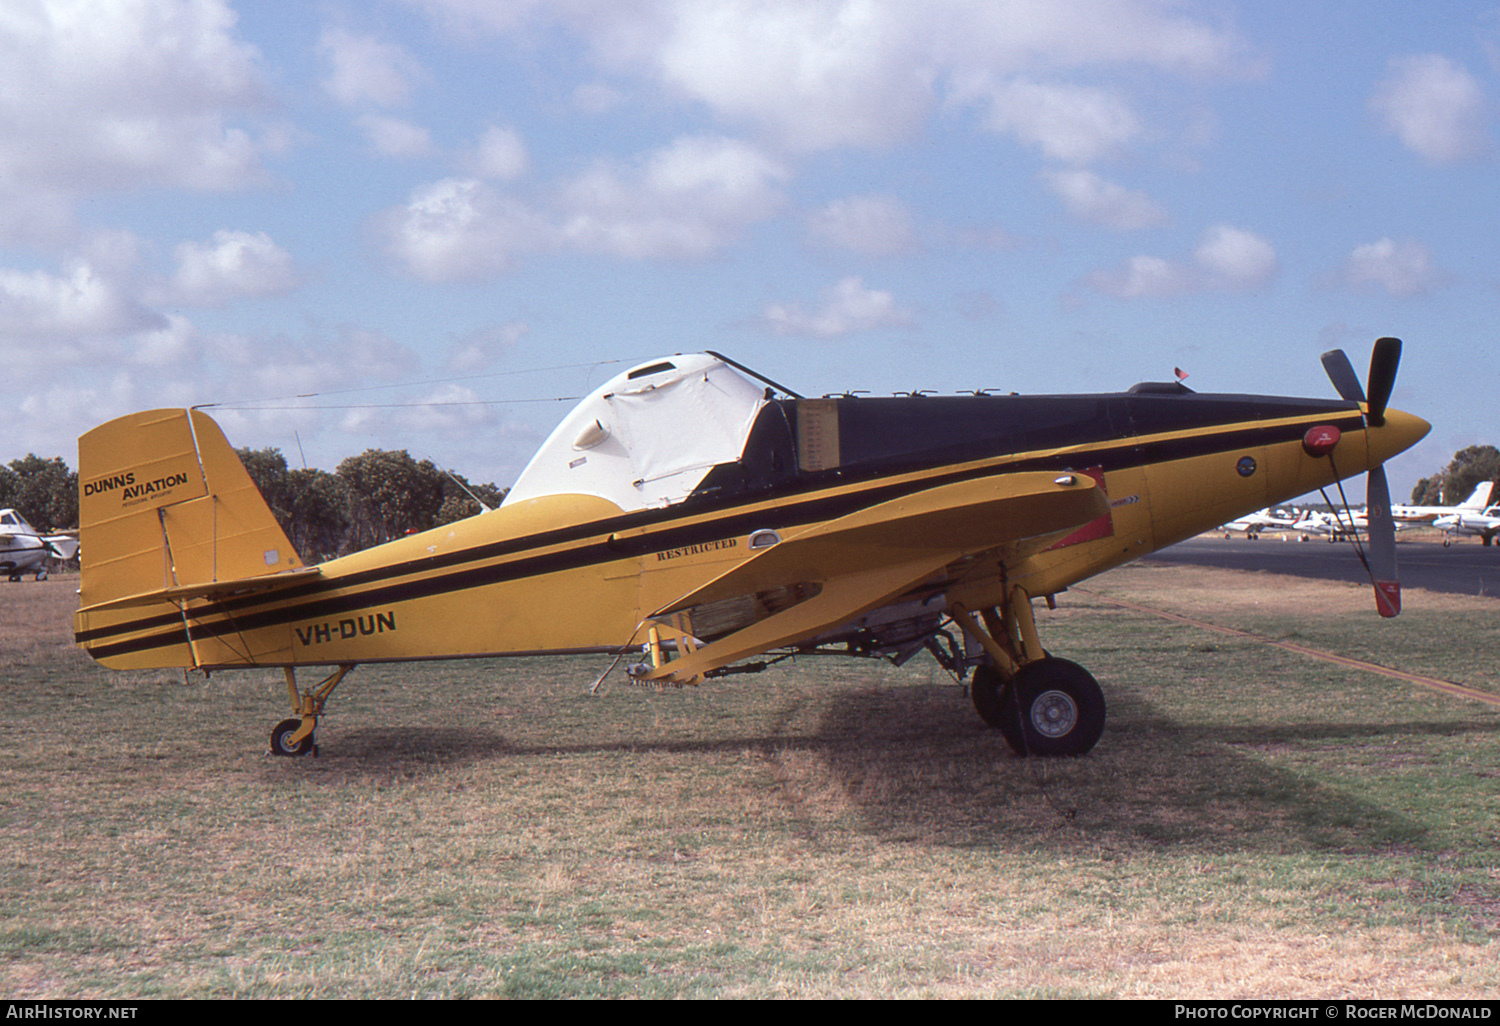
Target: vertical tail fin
165, 502
1480, 497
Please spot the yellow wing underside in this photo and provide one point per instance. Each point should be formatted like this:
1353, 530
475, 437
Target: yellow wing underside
831, 573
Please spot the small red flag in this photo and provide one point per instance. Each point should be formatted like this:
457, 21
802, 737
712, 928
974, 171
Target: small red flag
1181, 374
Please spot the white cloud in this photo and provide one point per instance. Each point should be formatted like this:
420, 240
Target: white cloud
175, 344
686, 200
38, 310
236, 265
1235, 258
869, 225
1435, 107
1143, 276
1076, 124
819, 74
846, 307
1227, 259
816, 75
364, 69
501, 154
1402, 269
396, 137
1091, 198
121, 94
460, 229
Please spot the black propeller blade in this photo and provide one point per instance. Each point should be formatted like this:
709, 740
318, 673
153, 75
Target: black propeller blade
1384, 359
1341, 373
1381, 557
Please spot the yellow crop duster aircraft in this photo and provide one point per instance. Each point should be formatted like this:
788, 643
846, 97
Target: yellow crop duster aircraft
701, 515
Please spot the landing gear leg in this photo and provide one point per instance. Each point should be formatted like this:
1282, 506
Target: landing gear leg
1040, 704
295, 736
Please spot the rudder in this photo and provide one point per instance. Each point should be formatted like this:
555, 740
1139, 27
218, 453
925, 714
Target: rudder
164, 501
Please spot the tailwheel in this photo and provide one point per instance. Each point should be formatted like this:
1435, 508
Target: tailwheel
1059, 709
282, 743
307, 706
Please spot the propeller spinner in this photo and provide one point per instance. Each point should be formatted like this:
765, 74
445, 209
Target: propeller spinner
1381, 558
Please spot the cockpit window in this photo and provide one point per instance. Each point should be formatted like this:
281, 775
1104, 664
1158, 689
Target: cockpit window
655, 368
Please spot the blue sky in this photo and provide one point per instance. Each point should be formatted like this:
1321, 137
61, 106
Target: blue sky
433, 219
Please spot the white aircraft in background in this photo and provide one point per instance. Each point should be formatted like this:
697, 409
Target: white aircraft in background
25, 550
1333, 526
1475, 503
1257, 522
1485, 524
1338, 526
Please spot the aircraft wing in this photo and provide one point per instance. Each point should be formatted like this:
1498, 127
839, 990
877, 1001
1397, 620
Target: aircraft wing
833, 572
209, 590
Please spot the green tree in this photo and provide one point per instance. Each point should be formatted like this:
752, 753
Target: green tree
318, 504
308, 504
459, 504
389, 494
1428, 491
267, 468
45, 492
1469, 467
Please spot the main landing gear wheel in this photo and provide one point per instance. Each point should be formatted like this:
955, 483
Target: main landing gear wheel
994, 699
1050, 707
281, 740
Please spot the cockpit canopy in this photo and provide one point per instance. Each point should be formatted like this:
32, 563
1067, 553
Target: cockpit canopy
647, 437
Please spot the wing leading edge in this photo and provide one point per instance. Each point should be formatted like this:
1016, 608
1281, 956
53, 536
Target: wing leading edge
832, 572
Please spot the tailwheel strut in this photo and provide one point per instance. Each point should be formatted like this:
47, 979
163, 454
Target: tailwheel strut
294, 736
1042, 705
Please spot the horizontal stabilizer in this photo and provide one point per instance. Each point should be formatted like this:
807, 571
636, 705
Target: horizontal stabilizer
215, 590
63, 546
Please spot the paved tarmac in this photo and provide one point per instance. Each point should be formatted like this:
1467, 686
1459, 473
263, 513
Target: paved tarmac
1465, 568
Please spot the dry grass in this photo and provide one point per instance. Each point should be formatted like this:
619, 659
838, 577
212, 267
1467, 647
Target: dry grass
1252, 824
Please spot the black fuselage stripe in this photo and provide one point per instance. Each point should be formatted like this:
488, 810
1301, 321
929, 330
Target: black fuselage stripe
1121, 454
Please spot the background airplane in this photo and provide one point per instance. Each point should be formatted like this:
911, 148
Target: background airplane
1333, 526
25, 550
1485, 524
1251, 526
1476, 502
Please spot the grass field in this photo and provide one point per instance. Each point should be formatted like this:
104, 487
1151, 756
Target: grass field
1253, 823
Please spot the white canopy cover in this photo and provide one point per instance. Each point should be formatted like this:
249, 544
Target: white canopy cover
647, 437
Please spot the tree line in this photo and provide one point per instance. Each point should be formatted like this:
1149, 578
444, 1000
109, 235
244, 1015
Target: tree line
371, 498
1455, 482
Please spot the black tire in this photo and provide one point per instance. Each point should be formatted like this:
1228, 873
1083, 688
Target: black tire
1059, 708
281, 739
995, 701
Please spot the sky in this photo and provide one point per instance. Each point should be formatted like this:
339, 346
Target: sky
428, 224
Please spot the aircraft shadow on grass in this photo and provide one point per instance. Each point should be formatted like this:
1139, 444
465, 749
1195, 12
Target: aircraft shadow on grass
908, 764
